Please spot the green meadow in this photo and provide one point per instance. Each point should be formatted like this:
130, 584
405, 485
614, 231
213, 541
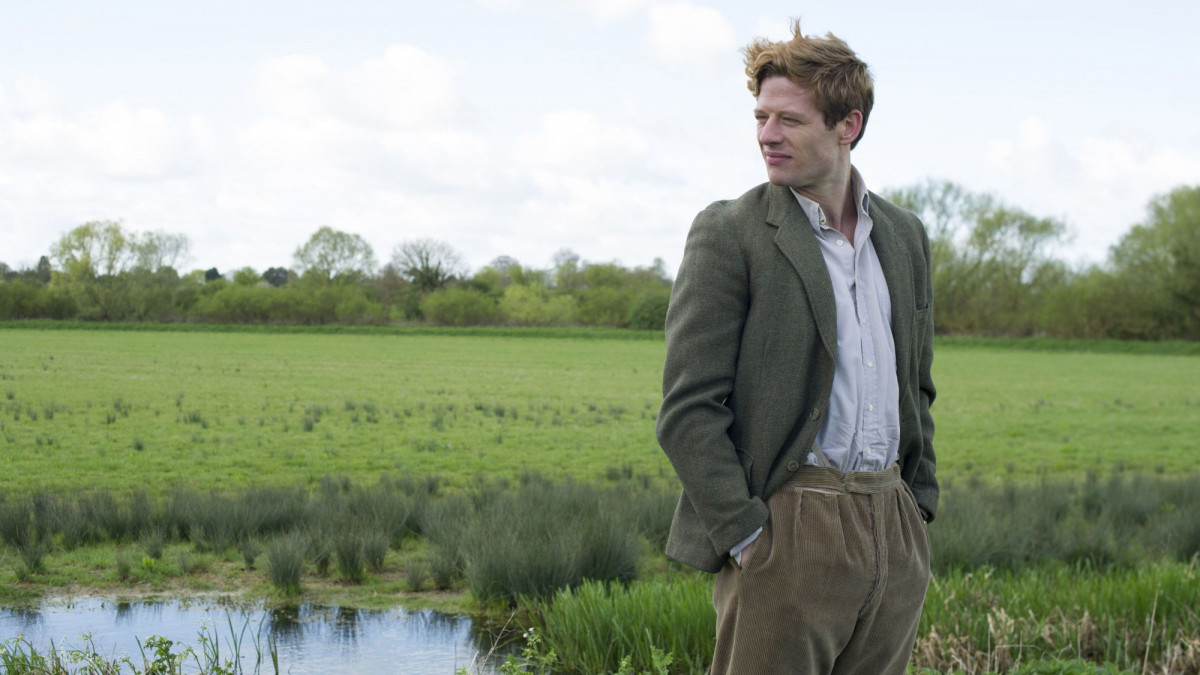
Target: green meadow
376, 467
226, 410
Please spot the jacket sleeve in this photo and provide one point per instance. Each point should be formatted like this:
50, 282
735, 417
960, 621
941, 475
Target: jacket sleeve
925, 485
709, 304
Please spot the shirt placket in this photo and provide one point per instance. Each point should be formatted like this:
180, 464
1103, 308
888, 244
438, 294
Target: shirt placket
869, 409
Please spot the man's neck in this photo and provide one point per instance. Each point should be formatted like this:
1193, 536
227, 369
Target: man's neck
837, 202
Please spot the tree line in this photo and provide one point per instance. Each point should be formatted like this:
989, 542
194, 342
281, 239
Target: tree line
995, 274
100, 271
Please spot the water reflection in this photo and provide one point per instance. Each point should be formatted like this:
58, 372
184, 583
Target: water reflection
308, 638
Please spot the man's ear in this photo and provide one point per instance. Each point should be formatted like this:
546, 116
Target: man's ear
851, 127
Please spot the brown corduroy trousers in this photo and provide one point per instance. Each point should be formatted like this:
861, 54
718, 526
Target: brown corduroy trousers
833, 585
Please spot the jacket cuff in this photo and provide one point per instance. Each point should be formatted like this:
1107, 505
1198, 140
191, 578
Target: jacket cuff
734, 530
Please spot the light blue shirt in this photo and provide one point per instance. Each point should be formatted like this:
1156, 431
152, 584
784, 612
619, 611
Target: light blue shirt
861, 431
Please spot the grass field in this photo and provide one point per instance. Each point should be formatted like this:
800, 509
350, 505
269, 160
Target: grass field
157, 410
110, 442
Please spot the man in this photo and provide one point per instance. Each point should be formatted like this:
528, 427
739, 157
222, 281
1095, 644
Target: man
797, 388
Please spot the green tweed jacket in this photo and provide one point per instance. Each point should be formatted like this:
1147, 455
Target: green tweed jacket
751, 340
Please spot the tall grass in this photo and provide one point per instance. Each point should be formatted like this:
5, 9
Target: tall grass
285, 562
545, 536
159, 656
595, 626
1119, 521
1145, 618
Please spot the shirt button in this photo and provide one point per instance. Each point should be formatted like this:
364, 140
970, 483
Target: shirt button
863, 322
871, 407
815, 414
870, 364
839, 242
793, 465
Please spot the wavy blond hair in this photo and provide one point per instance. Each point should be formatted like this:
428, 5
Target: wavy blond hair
839, 80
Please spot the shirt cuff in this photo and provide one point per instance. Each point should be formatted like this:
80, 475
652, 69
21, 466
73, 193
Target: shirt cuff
736, 551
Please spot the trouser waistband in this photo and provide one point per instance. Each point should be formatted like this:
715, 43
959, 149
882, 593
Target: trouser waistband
861, 482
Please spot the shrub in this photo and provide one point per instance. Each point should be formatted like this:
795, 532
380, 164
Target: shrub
33, 558
285, 562
319, 552
153, 543
375, 548
649, 310
517, 544
535, 306
350, 555
459, 307
416, 574
124, 565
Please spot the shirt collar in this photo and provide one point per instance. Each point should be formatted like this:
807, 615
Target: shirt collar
816, 217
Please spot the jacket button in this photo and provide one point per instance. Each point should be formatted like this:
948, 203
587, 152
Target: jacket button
815, 414
793, 466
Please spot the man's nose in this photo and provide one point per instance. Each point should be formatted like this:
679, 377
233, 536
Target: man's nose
768, 133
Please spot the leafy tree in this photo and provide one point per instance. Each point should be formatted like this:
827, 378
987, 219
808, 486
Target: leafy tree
246, 276
1158, 262
427, 264
212, 274
43, 270
96, 248
568, 271
991, 262
276, 276
96, 258
334, 255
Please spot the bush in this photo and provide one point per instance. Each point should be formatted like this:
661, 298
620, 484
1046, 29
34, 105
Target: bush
517, 545
350, 555
535, 306
460, 307
285, 562
649, 310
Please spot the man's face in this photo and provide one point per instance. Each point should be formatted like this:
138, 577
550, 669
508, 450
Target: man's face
797, 147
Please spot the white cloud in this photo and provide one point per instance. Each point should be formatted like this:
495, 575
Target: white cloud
293, 85
1103, 182
683, 32
115, 140
577, 142
405, 88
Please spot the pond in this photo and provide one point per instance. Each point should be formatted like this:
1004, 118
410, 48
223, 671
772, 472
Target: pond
308, 638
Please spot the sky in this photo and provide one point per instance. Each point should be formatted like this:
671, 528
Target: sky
522, 127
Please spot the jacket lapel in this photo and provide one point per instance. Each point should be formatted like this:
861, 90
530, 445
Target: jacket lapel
894, 259
796, 240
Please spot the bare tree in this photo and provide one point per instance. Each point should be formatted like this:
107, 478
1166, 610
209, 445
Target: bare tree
427, 263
